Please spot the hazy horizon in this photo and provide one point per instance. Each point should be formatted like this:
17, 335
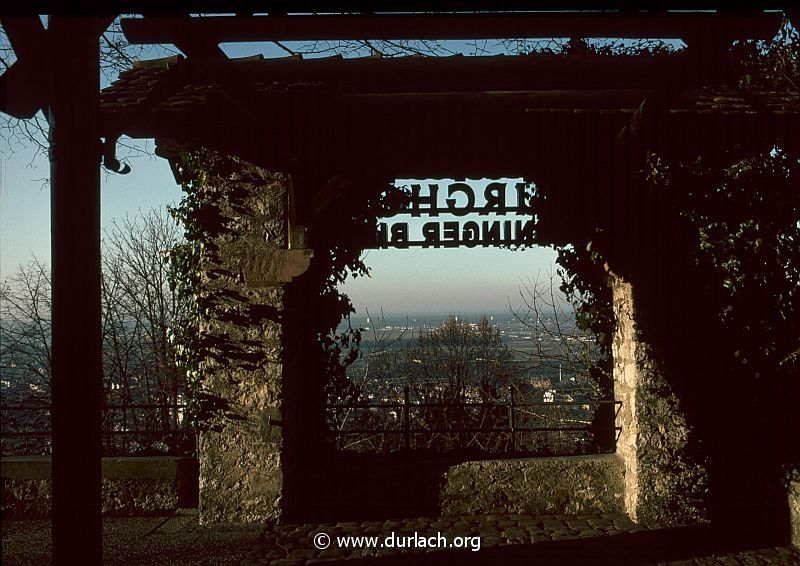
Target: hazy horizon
453, 280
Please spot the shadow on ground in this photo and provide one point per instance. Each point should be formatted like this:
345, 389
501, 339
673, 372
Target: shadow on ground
176, 539
692, 545
179, 539
369, 487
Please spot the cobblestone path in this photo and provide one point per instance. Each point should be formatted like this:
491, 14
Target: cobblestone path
423, 539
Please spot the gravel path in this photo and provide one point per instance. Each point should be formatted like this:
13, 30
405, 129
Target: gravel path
501, 539
562, 539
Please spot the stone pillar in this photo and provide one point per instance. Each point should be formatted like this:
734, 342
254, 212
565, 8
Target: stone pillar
626, 377
244, 267
794, 512
663, 481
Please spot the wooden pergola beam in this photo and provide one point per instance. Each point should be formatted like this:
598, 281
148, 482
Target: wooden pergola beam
373, 6
523, 100
27, 35
191, 44
461, 137
364, 6
59, 69
226, 29
76, 366
23, 87
452, 74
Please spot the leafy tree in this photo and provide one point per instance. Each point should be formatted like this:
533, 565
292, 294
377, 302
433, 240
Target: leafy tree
713, 258
741, 224
771, 65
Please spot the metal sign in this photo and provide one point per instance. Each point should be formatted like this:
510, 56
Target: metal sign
450, 204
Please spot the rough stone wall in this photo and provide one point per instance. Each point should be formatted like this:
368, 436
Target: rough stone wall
626, 378
662, 480
240, 461
131, 486
794, 512
26, 498
30, 499
568, 485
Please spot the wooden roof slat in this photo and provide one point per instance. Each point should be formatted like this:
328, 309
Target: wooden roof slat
329, 6
525, 100
226, 29
491, 113
419, 74
201, 52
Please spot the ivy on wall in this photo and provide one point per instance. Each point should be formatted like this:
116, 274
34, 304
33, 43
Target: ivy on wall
339, 237
733, 238
200, 216
185, 277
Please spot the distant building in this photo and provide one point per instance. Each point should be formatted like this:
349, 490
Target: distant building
539, 383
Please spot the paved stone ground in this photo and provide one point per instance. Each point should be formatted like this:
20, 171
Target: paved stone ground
504, 539
296, 544
177, 539
561, 539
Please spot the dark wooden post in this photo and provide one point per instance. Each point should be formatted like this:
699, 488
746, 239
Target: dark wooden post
76, 316
406, 418
512, 418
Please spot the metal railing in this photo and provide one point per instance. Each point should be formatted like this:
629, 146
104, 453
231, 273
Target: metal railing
558, 427
127, 429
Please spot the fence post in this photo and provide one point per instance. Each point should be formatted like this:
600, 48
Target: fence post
512, 419
406, 418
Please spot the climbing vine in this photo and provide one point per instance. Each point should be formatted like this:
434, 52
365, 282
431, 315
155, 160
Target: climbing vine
352, 225
193, 213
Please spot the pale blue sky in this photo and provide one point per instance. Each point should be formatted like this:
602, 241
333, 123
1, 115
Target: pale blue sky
455, 280
416, 280
452, 281
25, 200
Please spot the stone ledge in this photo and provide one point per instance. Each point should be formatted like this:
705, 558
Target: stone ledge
117, 468
25, 467
131, 485
264, 266
537, 486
